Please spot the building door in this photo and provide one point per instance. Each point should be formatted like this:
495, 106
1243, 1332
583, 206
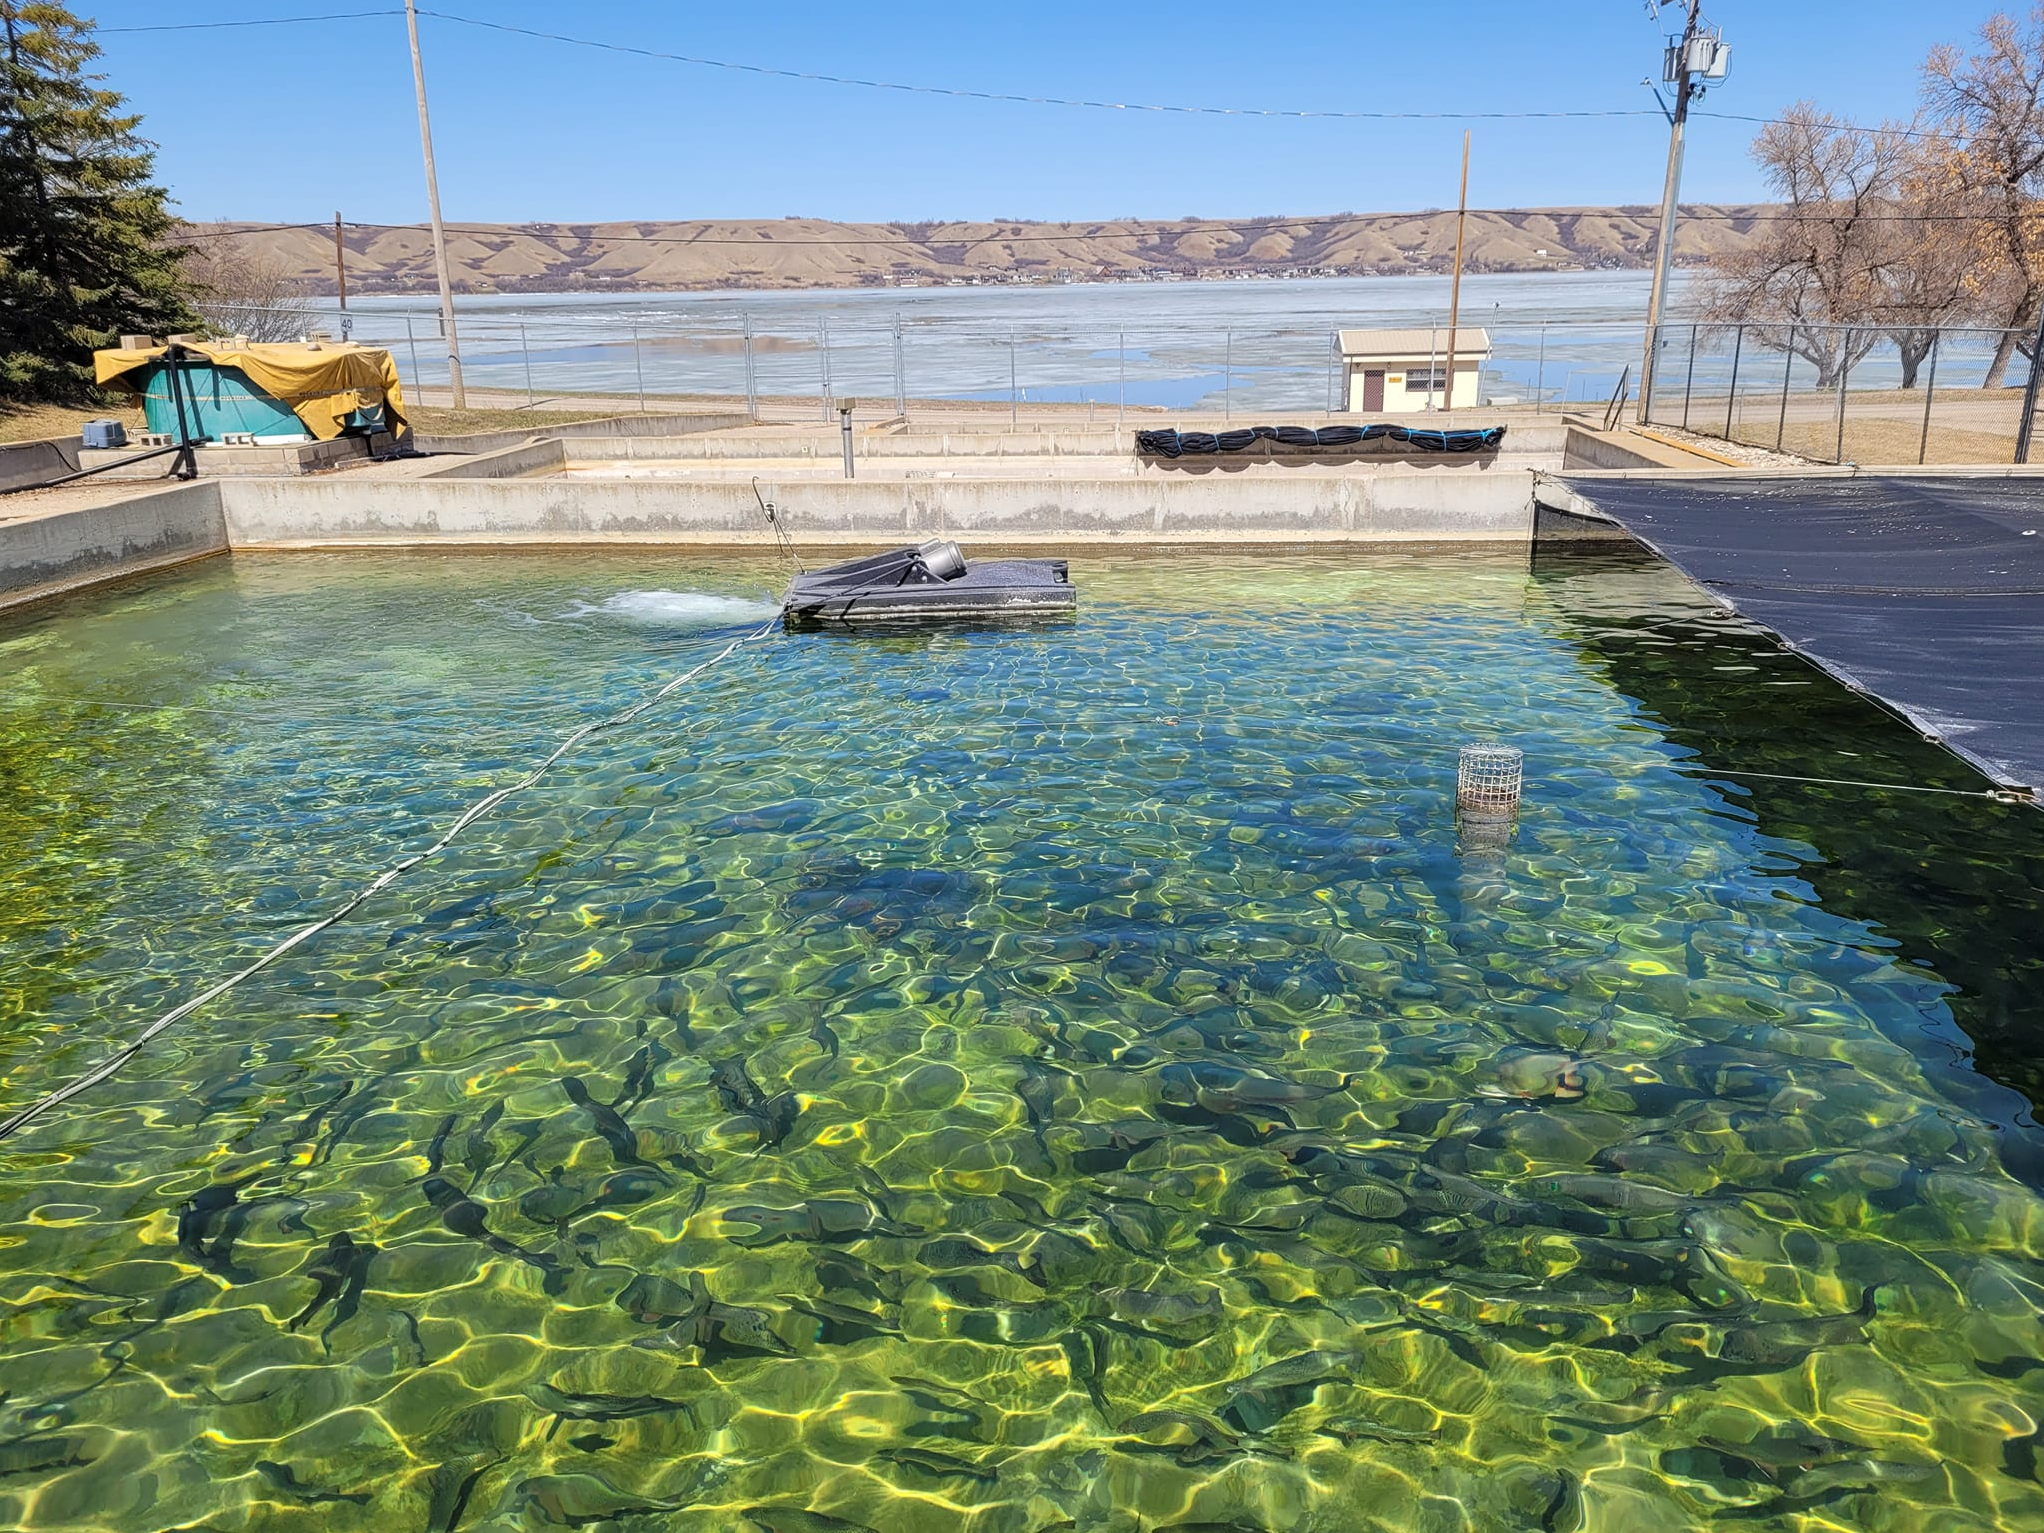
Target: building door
1373, 389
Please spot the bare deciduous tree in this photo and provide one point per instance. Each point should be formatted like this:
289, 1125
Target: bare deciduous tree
1817, 278
1933, 253
246, 290
1994, 102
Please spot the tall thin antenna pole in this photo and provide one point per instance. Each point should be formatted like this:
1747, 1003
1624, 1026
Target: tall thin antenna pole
340, 261
433, 204
1671, 193
1455, 292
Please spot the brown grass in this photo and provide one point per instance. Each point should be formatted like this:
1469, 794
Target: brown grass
25, 423
1885, 443
445, 422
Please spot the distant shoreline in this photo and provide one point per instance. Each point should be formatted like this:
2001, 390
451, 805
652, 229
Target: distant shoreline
788, 255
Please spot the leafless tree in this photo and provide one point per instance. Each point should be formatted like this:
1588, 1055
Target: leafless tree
1933, 253
1994, 101
245, 289
1818, 276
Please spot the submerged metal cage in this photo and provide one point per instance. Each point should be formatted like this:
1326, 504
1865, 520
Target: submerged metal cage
1489, 780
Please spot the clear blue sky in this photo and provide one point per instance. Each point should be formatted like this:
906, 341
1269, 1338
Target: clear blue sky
293, 122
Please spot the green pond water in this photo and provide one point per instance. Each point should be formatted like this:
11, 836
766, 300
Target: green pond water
1078, 1077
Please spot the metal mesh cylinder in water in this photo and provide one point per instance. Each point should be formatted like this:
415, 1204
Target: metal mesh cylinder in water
1489, 779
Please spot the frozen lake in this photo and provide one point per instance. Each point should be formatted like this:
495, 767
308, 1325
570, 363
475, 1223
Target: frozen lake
1241, 344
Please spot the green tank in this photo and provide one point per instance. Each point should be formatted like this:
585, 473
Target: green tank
220, 400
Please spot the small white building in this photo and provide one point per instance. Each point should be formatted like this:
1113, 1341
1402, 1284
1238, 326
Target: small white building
1398, 372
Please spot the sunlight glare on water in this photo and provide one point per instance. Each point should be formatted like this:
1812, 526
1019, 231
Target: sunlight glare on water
1072, 1077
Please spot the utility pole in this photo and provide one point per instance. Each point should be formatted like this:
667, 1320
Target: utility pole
433, 202
340, 261
1699, 51
1455, 292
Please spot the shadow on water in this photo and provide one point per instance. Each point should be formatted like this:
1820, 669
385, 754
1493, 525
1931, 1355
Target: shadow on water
1951, 880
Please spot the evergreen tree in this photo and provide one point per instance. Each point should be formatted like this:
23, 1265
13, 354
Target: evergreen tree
85, 248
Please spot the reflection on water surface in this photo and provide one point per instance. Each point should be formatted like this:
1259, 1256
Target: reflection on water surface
1062, 1078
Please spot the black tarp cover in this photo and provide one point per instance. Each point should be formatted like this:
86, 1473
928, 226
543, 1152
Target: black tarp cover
1926, 592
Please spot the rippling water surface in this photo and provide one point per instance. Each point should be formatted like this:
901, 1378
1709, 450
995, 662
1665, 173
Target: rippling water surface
1075, 1077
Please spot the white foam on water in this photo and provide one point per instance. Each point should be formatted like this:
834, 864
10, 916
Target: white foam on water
677, 609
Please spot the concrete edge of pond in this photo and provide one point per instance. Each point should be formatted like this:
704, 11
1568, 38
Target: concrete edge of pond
517, 497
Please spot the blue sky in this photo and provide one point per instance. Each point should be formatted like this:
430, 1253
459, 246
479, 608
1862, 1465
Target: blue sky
294, 122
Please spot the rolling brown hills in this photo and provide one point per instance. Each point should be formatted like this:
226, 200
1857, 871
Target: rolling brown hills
806, 252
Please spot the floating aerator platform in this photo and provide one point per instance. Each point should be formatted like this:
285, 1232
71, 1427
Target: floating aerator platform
930, 583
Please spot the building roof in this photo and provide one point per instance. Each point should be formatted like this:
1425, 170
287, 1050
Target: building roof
1470, 341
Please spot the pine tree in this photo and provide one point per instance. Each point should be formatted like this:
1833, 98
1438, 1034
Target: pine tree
86, 252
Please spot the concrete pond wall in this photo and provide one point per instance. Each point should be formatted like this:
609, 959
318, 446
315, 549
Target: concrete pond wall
519, 495
46, 555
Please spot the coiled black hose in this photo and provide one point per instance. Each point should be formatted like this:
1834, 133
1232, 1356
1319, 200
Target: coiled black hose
1177, 444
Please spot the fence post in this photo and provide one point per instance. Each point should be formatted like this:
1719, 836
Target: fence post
1929, 393
2024, 431
751, 381
1121, 375
1228, 375
1540, 375
1333, 370
413, 341
639, 366
525, 346
900, 372
823, 361
1689, 382
1732, 394
1788, 367
1844, 372
1014, 408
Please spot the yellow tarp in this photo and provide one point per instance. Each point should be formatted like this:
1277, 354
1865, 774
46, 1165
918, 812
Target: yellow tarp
321, 387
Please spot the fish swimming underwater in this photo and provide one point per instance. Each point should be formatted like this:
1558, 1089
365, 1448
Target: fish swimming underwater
463, 1216
719, 1332
340, 1274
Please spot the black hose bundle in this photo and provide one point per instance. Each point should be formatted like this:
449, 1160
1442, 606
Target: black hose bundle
1176, 444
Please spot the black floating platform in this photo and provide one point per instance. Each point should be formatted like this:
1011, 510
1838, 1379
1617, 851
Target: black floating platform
1926, 591
931, 583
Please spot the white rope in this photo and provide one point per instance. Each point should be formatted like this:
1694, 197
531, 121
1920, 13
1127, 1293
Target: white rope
1843, 782
375, 886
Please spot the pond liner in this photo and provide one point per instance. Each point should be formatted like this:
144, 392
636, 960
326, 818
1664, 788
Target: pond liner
1925, 592
1168, 443
930, 583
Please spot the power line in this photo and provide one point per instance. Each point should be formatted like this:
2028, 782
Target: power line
224, 26
1027, 100
962, 93
235, 233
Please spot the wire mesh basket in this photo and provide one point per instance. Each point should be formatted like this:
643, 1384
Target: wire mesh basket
1489, 780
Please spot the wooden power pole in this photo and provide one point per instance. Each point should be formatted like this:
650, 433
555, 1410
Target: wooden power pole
1455, 291
1699, 51
340, 261
433, 204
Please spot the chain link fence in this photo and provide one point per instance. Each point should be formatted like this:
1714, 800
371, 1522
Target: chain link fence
1848, 394
641, 356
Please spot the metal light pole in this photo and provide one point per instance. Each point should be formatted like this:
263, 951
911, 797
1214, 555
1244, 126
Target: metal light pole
1697, 52
433, 205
